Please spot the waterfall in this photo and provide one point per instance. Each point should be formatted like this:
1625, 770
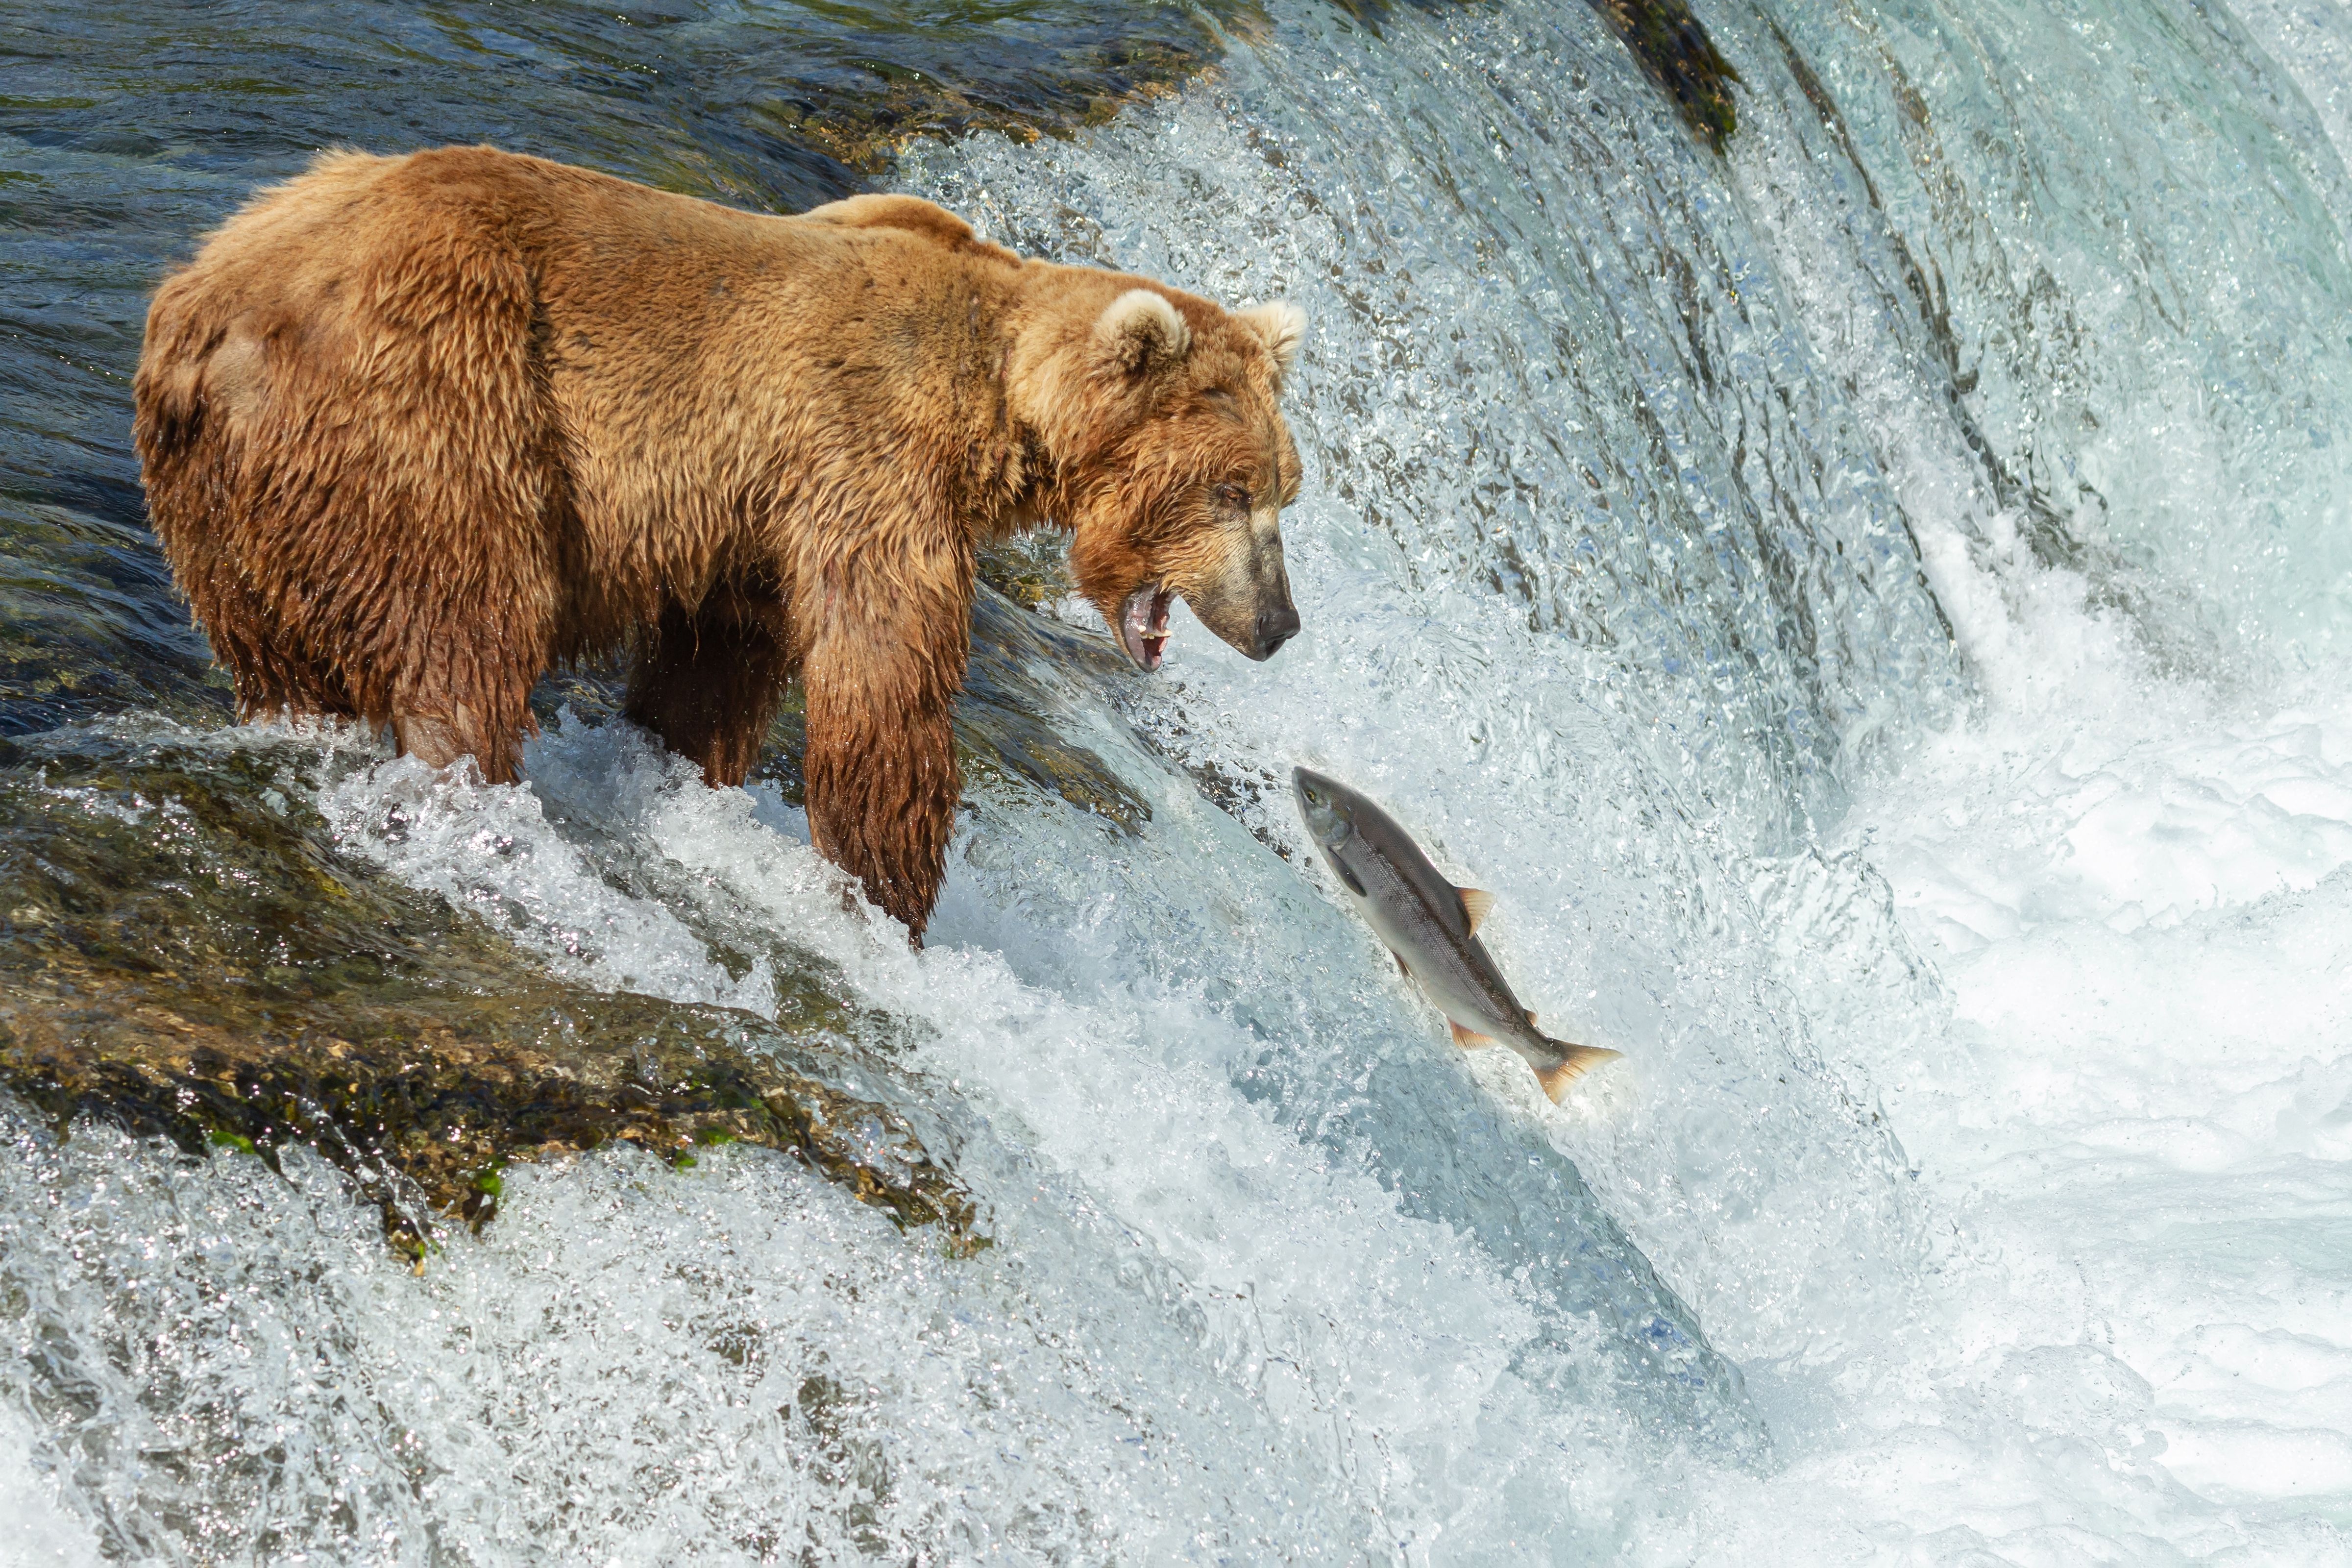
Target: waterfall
1865, 602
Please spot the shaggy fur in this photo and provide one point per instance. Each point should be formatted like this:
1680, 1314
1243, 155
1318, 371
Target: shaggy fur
414, 429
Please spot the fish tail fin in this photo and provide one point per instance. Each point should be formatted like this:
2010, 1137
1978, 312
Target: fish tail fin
1579, 1060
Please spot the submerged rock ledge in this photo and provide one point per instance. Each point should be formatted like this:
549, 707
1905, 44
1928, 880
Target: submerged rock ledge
183, 953
186, 952
414, 1107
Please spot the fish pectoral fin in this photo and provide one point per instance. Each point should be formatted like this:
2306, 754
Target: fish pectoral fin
1582, 1059
1469, 1040
1474, 905
1402, 968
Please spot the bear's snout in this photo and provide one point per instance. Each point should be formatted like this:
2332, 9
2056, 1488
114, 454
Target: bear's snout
1278, 616
1248, 603
1276, 625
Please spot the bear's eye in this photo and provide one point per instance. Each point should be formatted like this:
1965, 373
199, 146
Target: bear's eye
1234, 498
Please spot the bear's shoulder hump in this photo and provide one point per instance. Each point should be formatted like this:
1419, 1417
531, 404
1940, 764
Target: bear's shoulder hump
908, 214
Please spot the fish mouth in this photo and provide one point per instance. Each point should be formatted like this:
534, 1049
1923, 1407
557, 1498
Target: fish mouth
1143, 624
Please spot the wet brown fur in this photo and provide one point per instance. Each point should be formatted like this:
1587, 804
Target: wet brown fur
416, 429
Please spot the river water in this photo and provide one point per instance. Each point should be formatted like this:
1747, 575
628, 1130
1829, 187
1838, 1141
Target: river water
1870, 607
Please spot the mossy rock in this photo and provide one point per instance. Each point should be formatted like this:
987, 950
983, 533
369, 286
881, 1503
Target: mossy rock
184, 952
1673, 51
1032, 569
447, 1095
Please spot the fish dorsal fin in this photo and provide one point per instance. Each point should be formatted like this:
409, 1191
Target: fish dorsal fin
1531, 1017
1474, 904
1469, 1040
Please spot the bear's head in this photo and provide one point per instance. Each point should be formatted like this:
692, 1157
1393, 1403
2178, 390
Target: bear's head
1166, 455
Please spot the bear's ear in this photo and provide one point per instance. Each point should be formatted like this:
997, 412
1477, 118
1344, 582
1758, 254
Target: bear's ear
1281, 326
1140, 332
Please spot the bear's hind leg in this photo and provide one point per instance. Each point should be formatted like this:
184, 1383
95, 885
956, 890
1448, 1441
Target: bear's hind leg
192, 496
480, 709
271, 679
710, 681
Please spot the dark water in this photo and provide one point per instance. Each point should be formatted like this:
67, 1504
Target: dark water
126, 132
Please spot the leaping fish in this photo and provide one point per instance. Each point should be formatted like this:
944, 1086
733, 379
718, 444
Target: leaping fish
1431, 927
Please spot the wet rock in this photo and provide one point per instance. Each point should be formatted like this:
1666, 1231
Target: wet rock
1675, 53
386, 1090
1030, 569
1081, 76
182, 951
1015, 709
1669, 43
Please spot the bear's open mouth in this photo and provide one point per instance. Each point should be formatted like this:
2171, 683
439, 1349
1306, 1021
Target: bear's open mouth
1143, 624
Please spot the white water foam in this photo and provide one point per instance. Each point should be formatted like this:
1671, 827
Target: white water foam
2093, 946
2129, 1092
43, 1532
1996, 1121
1358, 1347
2085, 952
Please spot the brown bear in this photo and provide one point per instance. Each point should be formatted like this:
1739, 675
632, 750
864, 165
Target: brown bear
415, 429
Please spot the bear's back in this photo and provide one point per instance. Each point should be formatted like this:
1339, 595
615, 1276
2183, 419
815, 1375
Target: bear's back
356, 229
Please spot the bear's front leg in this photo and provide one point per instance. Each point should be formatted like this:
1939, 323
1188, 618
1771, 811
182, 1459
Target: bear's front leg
881, 672
708, 682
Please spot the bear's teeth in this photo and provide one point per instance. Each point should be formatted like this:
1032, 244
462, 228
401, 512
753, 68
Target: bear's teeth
1143, 623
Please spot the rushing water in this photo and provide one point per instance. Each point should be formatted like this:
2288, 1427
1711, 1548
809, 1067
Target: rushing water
1868, 606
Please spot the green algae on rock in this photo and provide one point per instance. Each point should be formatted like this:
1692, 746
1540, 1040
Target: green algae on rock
182, 951
1675, 53
447, 1103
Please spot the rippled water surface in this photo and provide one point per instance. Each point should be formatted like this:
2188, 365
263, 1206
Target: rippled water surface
1867, 604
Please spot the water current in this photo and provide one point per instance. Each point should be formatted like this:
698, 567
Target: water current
1869, 603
